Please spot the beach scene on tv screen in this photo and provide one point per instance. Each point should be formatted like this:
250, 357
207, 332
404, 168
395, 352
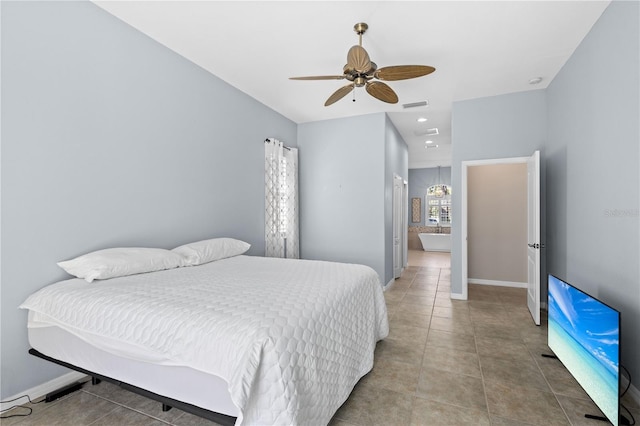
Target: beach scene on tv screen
584, 334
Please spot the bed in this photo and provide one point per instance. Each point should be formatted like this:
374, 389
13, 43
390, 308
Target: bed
256, 340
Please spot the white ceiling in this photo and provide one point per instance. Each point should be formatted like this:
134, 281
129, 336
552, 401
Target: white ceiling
479, 48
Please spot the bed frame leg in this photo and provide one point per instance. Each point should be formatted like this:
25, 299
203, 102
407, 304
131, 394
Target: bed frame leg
165, 408
95, 381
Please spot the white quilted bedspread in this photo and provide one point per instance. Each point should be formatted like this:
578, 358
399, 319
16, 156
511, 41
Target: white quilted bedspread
291, 337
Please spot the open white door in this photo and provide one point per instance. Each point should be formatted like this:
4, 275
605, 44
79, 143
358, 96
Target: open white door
397, 226
533, 236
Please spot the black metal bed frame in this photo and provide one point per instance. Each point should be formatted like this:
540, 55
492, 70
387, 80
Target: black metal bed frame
167, 403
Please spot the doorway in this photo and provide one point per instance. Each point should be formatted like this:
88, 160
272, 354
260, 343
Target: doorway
488, 238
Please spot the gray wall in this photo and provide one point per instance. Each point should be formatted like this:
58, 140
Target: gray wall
346, 167
396, 164
110, 139
505, 126
593, 170
419, 181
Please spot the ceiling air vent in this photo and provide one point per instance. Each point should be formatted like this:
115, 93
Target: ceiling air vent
415, 104
429, 132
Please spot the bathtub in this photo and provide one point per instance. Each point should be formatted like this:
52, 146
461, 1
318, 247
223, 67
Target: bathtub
435, 242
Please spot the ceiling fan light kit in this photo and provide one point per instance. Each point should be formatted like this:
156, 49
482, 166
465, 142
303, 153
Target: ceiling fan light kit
360, 71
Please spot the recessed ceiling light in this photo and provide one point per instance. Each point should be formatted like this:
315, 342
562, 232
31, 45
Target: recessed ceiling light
431, 146
421, 119
428, 142
535, 80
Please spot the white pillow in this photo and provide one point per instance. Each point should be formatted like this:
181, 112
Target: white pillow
209, 250
119, 262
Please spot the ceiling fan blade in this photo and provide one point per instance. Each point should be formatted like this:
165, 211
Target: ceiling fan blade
319, 77
402, 72
339, 94
358, 59
382, 91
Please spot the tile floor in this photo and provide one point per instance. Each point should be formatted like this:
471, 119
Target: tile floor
445, 362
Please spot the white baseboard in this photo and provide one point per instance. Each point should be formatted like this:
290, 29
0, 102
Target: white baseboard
497, 283
458, 296
389, 285
43, 389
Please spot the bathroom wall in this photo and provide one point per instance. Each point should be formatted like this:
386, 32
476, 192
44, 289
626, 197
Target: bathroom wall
419, 181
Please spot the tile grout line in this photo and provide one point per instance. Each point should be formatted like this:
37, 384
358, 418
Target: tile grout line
484, 386
424, 349
555, 395
482, 378
105, 414
124, 406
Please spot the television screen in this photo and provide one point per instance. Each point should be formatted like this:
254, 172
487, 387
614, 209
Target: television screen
584, 334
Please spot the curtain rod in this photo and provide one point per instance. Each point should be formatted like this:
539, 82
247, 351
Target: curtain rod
267, 140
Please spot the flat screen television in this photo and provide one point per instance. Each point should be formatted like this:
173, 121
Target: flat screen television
584, 333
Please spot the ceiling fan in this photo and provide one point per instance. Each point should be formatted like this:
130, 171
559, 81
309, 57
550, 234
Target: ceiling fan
360, 71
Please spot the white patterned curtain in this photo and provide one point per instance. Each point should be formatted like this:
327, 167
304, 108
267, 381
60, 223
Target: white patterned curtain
281, 200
